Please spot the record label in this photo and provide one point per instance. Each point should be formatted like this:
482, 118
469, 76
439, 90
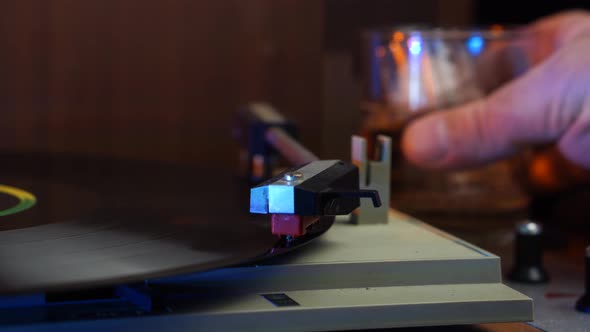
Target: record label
24, 200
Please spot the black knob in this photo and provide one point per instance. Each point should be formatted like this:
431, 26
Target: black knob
583, 303
528, 254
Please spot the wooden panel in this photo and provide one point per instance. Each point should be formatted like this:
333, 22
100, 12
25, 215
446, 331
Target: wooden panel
22, 74
151, 79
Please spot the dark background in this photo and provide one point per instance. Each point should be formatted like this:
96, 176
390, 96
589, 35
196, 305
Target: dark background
511, 12
146, 79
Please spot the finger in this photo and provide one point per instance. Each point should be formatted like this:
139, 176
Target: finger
501, 62
574, 144
523, 47
538, 107
552, 32
561, 26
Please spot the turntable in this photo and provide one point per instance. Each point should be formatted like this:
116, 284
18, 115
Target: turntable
93, 243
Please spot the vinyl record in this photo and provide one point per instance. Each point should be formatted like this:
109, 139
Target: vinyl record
70, 222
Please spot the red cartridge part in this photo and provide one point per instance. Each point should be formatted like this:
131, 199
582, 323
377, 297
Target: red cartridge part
291, 224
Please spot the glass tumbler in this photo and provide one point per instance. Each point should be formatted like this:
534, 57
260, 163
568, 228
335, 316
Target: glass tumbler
410, 71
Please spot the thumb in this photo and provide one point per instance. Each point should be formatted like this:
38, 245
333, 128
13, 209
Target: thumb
549, 103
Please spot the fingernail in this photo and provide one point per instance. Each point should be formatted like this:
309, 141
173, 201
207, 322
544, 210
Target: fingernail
426, 141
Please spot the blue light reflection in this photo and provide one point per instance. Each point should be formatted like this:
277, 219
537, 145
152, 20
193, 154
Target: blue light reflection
415, 45
475, 44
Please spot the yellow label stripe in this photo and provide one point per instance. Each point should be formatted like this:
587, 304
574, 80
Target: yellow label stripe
25, 200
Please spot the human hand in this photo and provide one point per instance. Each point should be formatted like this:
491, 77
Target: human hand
550, 103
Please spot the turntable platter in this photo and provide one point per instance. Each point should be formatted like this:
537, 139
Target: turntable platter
76, 221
